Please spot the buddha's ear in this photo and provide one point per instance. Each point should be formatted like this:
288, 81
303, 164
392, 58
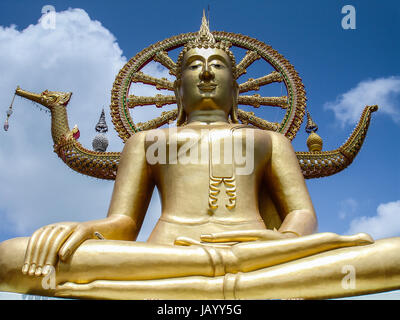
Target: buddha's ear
235, 96
235, 91
181, 117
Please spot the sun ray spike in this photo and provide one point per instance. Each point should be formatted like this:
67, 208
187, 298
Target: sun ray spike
256, 101
163, 58
159, 83
248, 59
158, 100
249, 117
255, 84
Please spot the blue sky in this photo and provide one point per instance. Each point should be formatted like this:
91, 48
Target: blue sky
342, 71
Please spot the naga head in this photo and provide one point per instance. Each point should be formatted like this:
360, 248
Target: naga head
46, 98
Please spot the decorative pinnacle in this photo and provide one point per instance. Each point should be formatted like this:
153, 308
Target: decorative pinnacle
100, 141
311, 125
204, 34
101, 126
314, 141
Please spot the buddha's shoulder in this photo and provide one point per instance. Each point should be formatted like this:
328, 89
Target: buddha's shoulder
149, 135
141, 136
261, 133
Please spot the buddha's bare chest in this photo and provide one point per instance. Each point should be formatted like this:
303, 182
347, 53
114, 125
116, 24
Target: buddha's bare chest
224, 151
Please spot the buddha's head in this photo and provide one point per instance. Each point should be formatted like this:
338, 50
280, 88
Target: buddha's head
206, 77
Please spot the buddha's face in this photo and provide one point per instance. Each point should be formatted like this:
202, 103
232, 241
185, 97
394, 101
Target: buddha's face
207, 82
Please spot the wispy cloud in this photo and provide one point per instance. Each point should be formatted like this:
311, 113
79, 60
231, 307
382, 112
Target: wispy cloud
348, 207
386, 223
385, 92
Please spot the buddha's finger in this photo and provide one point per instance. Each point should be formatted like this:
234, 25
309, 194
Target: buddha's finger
358, 239
185, 241
29, 250
81, 233
37, 250
61, 237
233, 236
45, 250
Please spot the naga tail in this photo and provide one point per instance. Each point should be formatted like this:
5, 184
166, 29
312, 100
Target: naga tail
319, 164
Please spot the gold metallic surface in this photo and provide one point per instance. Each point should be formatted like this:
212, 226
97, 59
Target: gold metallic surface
248, 59
254, 84
221, 234
158, 100
162, 83
314, 142
325, 163
256, 101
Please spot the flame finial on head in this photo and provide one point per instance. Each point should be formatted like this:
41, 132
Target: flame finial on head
205, 39
204, 34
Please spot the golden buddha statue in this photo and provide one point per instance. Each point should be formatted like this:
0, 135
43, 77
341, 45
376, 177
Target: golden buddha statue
228, 229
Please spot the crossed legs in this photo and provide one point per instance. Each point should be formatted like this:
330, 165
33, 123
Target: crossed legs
305, 267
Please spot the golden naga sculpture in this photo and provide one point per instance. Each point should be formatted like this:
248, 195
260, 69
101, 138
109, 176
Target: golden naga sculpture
228, 229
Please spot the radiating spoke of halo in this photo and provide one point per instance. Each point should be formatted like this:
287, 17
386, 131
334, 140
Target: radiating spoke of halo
163, 58
248, 59
158, 100
249, 117
166, 117
254, 84
256, 101
160, 84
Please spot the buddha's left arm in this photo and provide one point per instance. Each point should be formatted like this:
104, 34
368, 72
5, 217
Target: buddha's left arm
289, 191
133, 188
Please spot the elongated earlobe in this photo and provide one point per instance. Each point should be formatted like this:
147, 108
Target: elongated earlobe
181, 117
233, 114
234, 110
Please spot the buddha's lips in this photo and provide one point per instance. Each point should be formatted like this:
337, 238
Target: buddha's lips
207, 86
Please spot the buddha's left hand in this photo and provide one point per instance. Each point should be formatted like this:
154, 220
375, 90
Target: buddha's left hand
245, 235
235, 237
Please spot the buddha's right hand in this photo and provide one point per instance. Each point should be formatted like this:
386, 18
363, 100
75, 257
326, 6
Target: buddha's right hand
53, 241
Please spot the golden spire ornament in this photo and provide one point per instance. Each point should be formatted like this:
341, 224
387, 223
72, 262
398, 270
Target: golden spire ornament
314, 141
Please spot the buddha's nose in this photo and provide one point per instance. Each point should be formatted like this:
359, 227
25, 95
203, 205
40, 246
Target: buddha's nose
206, 74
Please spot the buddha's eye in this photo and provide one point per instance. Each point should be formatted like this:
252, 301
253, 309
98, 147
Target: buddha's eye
194, 66
217, 65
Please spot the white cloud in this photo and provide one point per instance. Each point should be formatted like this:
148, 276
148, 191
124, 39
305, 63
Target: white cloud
79, 55
348, 207
386, 223
384, 92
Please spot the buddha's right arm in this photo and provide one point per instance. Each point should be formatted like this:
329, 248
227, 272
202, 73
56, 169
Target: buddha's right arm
131, 196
